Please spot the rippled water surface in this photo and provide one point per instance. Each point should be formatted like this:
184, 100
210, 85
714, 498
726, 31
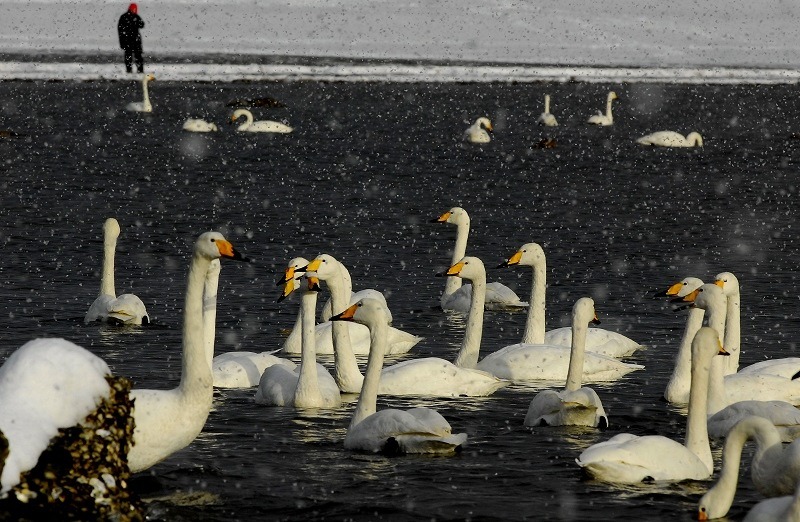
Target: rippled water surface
367, 168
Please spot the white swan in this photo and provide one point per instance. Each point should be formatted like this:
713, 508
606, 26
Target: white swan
671, 139
546, 118
418, 430
775, 468
677, 390
778, 509
574, 405
598, 340
124, 309
310, 385
198, 125
479, 131
168, 420
144, 105
457, 297
258, 126
607, 118
628, 458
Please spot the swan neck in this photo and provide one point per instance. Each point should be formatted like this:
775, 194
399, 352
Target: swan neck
721, 495
733, 333
577, 355
210, 309
471, 345
546, 103
459, 251
196, 374
717, 399
535, 323
107, 286
608, 108
307, 392
367, 402
697, 421
146, 92
348, 377
678, 386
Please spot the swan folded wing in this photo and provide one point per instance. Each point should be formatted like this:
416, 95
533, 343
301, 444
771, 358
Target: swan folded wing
498, 294
437, 377
783, 415
761, 387
128, 309
598, 340
414, 432
99, 309
277, 386
243, 369
787, 367
581, 407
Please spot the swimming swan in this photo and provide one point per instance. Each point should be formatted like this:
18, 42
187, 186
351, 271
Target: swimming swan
607, 118
258, 126
598, 340
457, 297
778, 509
775, 468
671, 139
418, 430
479, 131
144, 105
629, 459
126, 309
545, 118
169, 420
198, 125
574, 405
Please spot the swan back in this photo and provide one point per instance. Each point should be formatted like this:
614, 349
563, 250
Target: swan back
198, 125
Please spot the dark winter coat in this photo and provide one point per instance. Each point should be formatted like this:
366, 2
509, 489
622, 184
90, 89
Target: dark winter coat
128, 29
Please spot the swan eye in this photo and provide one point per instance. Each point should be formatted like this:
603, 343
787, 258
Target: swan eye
685, 284
213, 240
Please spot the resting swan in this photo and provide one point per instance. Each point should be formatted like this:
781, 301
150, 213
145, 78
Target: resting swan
598, 340
258, 126
479, 131
545, 118
418, 430
169, 420
778, 509
607, 118
575, 405
629, 459
127, 309
671, 139
457, 297
144, 105
198, 125
775, 468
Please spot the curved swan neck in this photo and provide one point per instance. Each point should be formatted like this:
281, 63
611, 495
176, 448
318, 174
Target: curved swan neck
348, 377
576, 355
720, 497
210, 308
535, 323
697, 421
307, 392
196, 374
471, 345
367, 402
107, 286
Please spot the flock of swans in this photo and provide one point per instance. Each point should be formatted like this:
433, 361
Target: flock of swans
479, 132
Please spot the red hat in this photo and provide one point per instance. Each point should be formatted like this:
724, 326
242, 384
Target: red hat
133, 8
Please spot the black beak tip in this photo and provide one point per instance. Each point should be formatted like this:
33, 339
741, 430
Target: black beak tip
301, 269
281, 298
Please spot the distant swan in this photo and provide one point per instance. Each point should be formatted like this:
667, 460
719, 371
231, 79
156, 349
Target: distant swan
144, 105
258, 126
479, 131
607, 118
127, 308
198, 125
418, 430
671, 139
545, 118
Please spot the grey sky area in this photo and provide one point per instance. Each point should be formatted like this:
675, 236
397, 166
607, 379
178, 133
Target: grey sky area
757, 33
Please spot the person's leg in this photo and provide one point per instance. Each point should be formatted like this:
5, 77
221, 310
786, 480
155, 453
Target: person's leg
139, 59
128, 59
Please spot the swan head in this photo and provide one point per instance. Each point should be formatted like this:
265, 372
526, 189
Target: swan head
148, 78
291, 276
111, 229
583, 311
213, 245
704, 297
728, 283
612, 96
469, 267
455, 216
529, 254
324, 266
485, 123
684, 287
367, 311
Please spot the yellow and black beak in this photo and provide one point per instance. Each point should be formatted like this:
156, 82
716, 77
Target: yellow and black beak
454, 270
347, 315
686, 301
513, 260
443, 218
595, 320
672, 291
288, 275
313, 284
226, 250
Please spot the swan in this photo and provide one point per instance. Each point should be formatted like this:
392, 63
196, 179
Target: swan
144, 105
457, 297
169, 420
775, 468
778, 509
198, 125
126, 309
479, 131
310, 385
671, 139
598, 340
677, 390
418, 430
546, 118
607, 118
575, 405
258, 126
629, 459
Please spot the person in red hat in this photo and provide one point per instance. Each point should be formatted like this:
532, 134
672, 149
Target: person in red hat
129, 38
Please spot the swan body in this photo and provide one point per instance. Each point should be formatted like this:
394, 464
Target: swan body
457, 297
671, 139
574, 405
144, 105
479, 131
258, 126
607, 118
419, 430
627, 458
169, 420
779, 509
784, 416
546, 118
125, 309
198, 125
775, 468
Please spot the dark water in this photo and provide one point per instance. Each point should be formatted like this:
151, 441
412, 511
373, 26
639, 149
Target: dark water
367, 168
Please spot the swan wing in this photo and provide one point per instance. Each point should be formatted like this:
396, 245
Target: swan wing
499, 295
399, 341
406, 430
598, 340
127, 309
783, 415
787, 367
98, 309
243, 369
269, 126
581, 407
761, 387
435, 377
